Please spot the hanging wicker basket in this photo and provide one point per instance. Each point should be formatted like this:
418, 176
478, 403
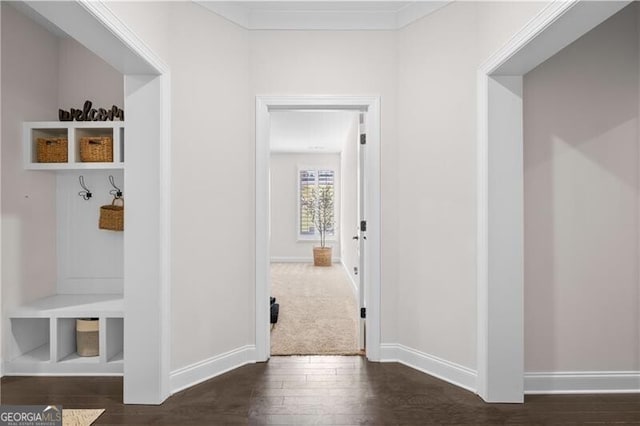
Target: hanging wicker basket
112, 216
96, 149
52, 150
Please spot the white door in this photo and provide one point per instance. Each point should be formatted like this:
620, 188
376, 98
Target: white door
361, 235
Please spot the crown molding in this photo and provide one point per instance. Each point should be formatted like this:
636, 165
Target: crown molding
253, 18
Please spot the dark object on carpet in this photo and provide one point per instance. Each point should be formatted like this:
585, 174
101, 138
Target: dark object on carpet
275, 309
272, 300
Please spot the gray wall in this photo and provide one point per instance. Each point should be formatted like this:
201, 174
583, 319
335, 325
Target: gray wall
581, 204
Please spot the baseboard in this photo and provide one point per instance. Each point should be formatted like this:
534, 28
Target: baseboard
193, 374
582, 382
442, 369
354, 286
281, 259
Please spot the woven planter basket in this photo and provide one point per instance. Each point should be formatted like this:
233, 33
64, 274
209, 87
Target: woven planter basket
52, 150
322, 256
96, 149
87, 337
112, 216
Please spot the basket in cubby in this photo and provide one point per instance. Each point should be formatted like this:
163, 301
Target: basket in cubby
52, 150
88, 336
96, 149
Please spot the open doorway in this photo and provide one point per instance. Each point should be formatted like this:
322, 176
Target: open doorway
314, 239
367, 241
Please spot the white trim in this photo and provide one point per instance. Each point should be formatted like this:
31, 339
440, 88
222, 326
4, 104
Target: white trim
336, 19
292, 259
543, 19
101, 11
554, 27
354, 285
417, 10
201, 371
448, 371
28, 371
571, 382
370, 104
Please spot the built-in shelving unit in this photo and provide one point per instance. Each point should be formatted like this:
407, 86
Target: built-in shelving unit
73, 131
43, 336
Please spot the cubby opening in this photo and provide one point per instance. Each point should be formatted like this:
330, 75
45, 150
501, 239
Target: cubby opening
120, 145
114, 340
30, 340
66, 343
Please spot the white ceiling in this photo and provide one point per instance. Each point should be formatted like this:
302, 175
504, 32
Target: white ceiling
323, 15
318, 132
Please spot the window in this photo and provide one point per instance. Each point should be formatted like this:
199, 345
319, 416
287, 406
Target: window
310, 182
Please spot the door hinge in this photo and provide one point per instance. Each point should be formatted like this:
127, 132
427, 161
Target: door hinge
363, 313
363, 139
363, 225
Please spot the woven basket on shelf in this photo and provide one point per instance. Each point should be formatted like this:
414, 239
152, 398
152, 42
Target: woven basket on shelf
97, 149
52, 150
88, 337
112, 216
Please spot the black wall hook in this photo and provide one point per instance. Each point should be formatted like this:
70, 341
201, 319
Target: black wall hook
116, 192
85, 193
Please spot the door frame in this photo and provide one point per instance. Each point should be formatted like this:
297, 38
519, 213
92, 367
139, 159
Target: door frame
371, 106
500, 180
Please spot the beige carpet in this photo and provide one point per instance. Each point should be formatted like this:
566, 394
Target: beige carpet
80, 417
318, 310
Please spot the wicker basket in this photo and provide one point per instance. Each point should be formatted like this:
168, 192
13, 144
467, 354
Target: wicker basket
96, 149
112, 216
322, 256
87, 337
52, 150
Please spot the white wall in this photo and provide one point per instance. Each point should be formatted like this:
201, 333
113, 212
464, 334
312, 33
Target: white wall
213, 246
581, 204
349, 216
437, 61
436, 133
84, 76
29, 93
90, 260
285, 244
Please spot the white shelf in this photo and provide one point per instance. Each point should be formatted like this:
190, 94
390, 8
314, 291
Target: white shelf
43, 336
73, 131
75, 358
37, 355
117, 359
73, 306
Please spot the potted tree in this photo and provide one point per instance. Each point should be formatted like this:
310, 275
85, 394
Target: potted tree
319, 204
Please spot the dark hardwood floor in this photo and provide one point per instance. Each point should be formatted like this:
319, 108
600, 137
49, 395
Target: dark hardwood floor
320, 390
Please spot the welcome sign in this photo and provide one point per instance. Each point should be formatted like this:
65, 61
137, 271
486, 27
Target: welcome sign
88, 113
